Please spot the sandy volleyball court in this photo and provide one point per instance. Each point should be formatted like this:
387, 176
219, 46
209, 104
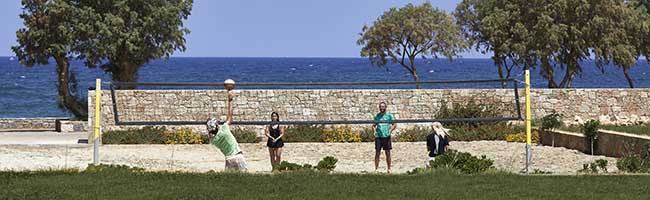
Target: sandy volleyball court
353, 157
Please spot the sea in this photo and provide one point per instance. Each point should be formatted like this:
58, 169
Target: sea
32, 91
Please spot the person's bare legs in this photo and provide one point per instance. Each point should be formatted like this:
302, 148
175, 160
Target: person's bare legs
388, 161
278, 155
377, 154
272, 156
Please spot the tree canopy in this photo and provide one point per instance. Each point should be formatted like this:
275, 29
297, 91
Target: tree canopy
120, 36
403, 34
556, 34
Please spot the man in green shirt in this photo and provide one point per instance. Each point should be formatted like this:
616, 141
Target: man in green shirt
382, 135
222, 138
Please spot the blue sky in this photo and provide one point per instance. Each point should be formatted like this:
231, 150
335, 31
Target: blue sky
264, 28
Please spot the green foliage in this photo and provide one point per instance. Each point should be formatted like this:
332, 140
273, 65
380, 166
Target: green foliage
104, 168
464, 162
551, 121
599, 166
245, 135
633, 164
590, 131
526, 34
303, 133
327, 164
403, 34
414, 134
153, 135
145, 135
469, 131
367, 134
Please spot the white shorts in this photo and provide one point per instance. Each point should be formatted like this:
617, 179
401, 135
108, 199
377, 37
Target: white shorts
236, 163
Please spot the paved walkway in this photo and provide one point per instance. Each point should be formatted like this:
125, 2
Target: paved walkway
41, 137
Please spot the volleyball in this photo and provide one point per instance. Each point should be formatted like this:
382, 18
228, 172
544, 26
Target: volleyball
229, 84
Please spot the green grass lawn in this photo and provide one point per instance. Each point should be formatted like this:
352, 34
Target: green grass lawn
443, 184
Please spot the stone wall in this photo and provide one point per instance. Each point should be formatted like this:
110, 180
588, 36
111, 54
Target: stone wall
622, 106
27, 123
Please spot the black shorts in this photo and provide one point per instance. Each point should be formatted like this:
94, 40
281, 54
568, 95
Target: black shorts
383, 143
271, 144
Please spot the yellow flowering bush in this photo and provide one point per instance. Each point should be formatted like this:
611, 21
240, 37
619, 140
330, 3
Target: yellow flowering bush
340, 134
521, 137
182, 136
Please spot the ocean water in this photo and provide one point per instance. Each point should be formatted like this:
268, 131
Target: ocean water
31, 91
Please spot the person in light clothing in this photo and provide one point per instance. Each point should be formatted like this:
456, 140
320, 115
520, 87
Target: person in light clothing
437, 142
222, 138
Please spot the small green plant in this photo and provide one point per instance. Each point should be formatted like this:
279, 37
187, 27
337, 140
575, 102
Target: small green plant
551, 121
414, 134
464, 162
590, 131
303, 133
633, 164
244, 135
599, 165
327, 164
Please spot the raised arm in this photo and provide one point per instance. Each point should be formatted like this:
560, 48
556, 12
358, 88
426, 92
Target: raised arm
231, 95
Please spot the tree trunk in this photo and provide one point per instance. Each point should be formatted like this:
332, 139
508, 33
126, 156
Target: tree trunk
63, 85
498, 63
414, 73
627, 76
125, 72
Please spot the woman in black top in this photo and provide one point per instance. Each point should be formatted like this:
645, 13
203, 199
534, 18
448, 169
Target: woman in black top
274, 132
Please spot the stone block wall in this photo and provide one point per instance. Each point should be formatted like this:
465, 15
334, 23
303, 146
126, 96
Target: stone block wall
27, 123
621, 106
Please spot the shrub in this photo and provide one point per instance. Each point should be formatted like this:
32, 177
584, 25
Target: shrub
182, 135
303, 133
327, 164
145, 135
594, 167
413, 134
367, 134
633, 164
288, 166
469, 131
245, 135
464, 162
551, 121
521, 137
590, 130
340, 134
